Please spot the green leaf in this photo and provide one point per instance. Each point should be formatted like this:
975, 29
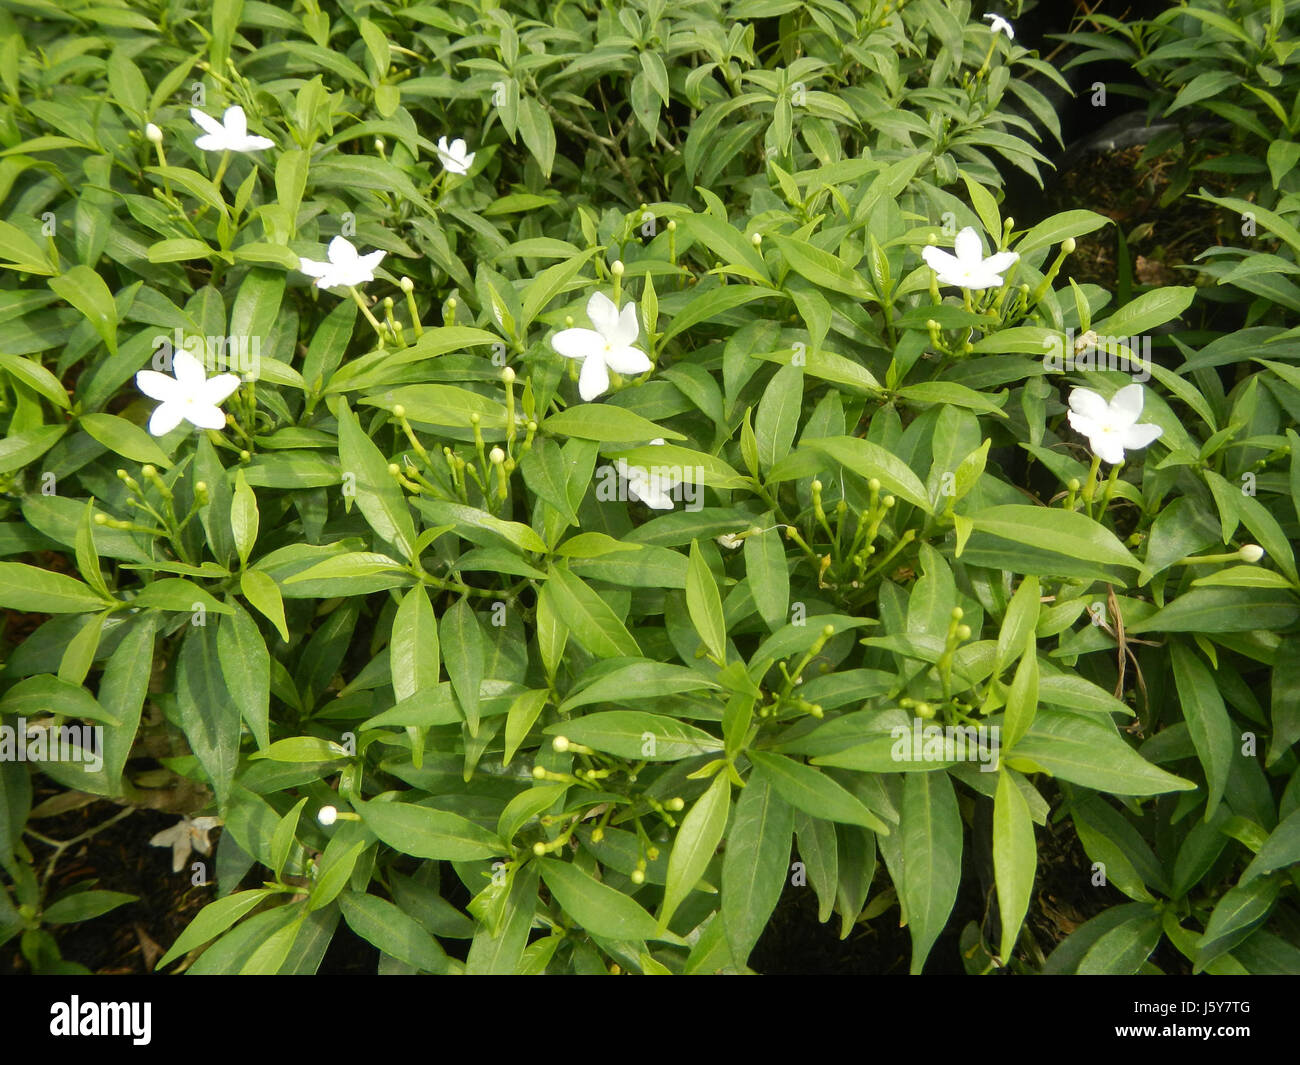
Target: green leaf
637, 735
243, 517
19, 449
704, 604
605, 423
754, 865
768, 574
29, 589
1207, 721
1215, 610
871, 460
589, 618
1090, 752
811, 791
777, 420
263, 594
245, 665
424, 833
1239, 911
85, 290
1015, 858
393, 931
638, 680
1022, 697
1124, 949
282, 839
1061, 531
932, 844
822, 268
84, 905
461, 642
414, 650
212, 920
595, 907
377, 493
697, 840
209, 720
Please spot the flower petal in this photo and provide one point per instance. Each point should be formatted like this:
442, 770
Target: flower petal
207, 123
211, 142
628, 328
341, 252
313, 268
157, 385
1084, 425
1139, 436
1108, 447
1088, 403
189, 372
967, 246
369, 262
1126, 404
205, 416
165, 418
627, 360
578, 343
219, 388
999, 261
236, 123
939, 260
603, 314
593, 381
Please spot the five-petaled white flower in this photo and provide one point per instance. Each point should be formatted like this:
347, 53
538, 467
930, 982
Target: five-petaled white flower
344, 267
454, 157
610, 346
968, 268
190, 396
1111, 428
1000, 25
228, 135
653, 487
186, 835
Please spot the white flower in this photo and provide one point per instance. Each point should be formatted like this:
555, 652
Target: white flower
1000, 25
607, 347
328, 815
153, 134
652, 487
228, 135
1250, 553
1111, 428
454, 157
189, 396
184, 836
730, 541
344, 267
968, 268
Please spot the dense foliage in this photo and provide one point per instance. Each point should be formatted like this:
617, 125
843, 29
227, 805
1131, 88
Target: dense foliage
611, 463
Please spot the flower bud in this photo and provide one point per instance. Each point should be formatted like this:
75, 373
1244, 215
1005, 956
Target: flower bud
676, 803
560, 743
963, 632
637, 876
153, 134
1068, 245
496, 456
1251, 553
616, 268
328, 815
539, 772
399, 411
756, 240
406, 285
508, 375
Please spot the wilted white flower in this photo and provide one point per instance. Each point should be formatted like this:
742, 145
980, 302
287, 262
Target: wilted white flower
651, 487
228, 135
344, 267
189, 396
1000, 25
454, 157
730, 541
186, 835
1111, 428
607, 347
968, 268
